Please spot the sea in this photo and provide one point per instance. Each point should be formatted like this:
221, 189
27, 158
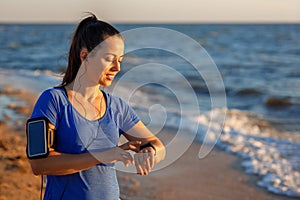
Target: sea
176, 75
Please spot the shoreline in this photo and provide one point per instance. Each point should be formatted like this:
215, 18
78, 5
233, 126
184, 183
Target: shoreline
217, 176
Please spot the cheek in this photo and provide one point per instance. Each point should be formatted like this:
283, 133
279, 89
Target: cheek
98, 67
103, 72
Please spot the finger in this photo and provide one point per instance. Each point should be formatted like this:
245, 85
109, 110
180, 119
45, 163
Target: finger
151, 160
137, 164
147, 162
135, 145
137, 142
142, 163
126, 158
133, 148
132, 145
131, 160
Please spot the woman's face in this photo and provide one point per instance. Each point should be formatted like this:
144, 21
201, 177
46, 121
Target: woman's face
104, 65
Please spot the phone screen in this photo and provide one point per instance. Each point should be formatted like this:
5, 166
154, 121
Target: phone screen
37, 142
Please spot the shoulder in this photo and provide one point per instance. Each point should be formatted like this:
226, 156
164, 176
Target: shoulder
120, 105
115, 101
49, 105
52, 91
51, 94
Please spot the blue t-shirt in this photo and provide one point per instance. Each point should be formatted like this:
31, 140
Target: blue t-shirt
75, 134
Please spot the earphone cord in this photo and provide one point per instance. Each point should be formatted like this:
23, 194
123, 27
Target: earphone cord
100, 111
42, 184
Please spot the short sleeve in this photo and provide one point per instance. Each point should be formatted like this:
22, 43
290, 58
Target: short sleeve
46, 106
128, 117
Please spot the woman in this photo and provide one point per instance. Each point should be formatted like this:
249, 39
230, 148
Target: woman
89, 121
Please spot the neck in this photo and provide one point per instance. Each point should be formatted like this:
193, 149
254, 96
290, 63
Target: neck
87, 92
84, 86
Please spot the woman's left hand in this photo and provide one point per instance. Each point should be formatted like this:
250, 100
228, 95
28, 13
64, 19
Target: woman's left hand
144, 160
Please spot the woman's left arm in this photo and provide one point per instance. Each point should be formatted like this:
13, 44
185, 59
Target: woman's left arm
153, 151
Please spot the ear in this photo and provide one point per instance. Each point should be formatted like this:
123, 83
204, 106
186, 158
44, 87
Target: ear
83, 54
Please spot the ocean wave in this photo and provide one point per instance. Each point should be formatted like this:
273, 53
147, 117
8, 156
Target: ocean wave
34, 81
264, 150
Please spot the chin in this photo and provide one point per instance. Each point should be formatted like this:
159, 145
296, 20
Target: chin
105, 84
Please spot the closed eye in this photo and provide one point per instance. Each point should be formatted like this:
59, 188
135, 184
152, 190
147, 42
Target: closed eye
109, 58
113, 58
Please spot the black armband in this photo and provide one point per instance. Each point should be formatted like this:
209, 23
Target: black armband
148, 145
40, 137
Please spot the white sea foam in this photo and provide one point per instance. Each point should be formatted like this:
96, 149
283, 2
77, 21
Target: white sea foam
33, 81
265, 153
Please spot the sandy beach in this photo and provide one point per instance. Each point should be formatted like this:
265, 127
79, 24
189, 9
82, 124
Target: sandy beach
217, 176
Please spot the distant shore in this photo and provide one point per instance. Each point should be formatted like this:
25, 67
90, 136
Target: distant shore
217, 176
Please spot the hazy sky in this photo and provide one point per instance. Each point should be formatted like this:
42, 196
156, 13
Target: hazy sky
151, 10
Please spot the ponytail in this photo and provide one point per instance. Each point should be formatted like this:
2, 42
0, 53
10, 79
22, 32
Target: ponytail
89, 33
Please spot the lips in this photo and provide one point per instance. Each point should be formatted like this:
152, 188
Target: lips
110, 76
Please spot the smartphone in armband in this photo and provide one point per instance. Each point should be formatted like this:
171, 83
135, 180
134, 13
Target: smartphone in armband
39, 138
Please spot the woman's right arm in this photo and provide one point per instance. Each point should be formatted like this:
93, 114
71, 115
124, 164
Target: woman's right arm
61, 164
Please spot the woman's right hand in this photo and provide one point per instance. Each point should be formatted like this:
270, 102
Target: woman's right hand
131, 145
113, 155
61, 164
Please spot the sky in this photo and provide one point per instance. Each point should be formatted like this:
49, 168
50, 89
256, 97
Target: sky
152, 11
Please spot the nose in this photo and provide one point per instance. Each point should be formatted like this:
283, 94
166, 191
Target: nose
116, 66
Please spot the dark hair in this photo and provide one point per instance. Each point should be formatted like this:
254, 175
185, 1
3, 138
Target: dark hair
89, 33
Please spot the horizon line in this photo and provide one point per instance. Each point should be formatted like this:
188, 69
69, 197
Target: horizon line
156, 22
